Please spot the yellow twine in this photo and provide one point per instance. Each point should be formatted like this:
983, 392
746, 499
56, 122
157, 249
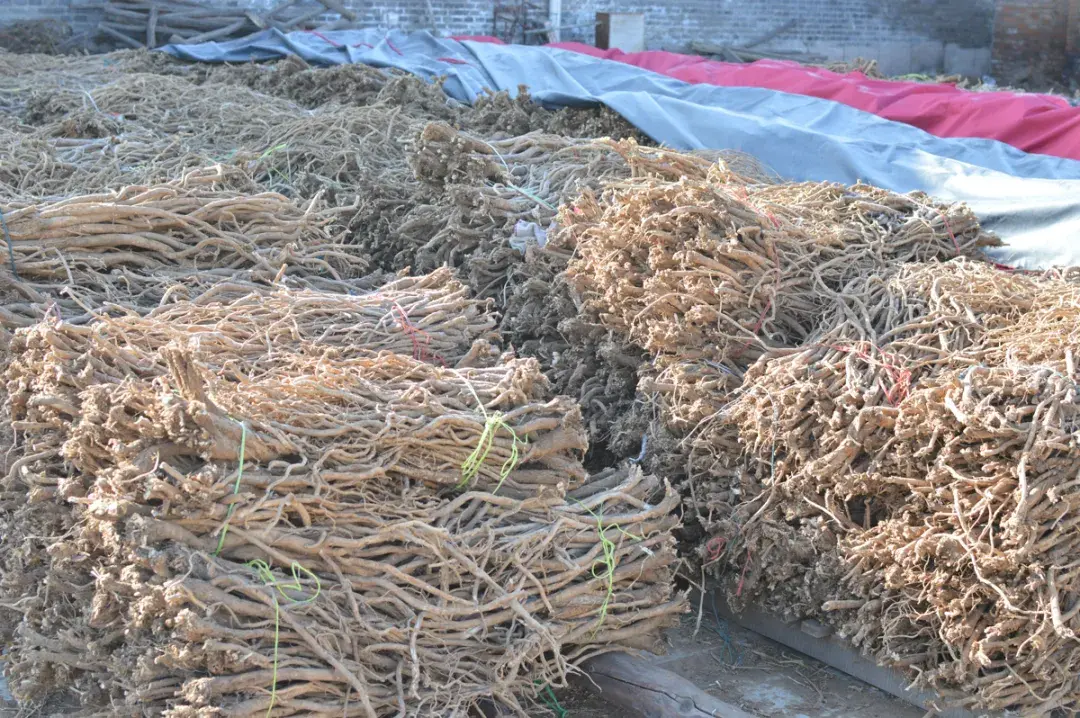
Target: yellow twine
470, 468
608, 563
265, 573
236, 487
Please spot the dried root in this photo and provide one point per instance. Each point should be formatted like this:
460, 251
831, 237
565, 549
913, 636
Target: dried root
240, 503
916, 469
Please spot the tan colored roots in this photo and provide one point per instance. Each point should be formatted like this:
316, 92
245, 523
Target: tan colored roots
918, 475
124, 247
392, 577
718, 269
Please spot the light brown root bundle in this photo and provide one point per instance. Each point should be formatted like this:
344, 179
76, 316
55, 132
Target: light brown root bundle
716, 269
431, 317
402, 536
499, 200
118, 247
918, 474
490, 188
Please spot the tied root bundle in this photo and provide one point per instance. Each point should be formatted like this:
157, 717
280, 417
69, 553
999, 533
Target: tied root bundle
233, 508
916, 482
707, 273
127, 247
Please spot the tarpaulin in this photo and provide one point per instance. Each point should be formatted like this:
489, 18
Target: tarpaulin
1032, 201
1046, 124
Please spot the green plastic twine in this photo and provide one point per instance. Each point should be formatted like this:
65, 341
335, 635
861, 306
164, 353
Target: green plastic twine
470, 468
236, 487
608, 563
551, 701
266, 575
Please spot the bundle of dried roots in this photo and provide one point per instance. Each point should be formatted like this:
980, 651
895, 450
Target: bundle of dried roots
234, 508
721, 269
125, 247
914, 482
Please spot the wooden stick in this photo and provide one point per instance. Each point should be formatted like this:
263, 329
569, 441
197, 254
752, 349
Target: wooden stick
301, 19
257, 20
215, 34
279, 7
151, 28
117, 35
340, 9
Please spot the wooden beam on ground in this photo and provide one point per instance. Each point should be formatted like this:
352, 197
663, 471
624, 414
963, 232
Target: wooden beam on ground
339, 8
115, 34
636, 688
219, 33
151, 28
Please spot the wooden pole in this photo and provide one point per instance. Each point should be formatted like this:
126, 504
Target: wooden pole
636, 688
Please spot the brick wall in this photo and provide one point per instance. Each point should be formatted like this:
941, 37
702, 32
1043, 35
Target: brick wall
903, 35
1036, 40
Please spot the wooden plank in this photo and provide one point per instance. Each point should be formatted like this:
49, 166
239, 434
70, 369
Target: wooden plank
284, 5
113, 10
151, 28
115, 34
257, 20
340, 9
219, 33
204, 24
301, 19
339, 24
761, 40
167, 20
636, 688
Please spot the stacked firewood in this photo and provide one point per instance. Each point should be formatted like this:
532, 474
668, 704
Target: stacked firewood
152, 23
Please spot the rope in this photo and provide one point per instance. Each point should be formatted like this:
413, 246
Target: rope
420, 351
10, 245
265, 573
900, 377
470, 468
608, 563
324, 38
540, 201
236, 487
948, 229
551, 701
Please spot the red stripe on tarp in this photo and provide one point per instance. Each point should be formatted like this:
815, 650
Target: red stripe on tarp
319, 35
1043, 124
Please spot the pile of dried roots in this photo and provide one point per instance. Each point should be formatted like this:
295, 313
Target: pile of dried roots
247, 503
494, 208
916, 481
709, 271
132, 248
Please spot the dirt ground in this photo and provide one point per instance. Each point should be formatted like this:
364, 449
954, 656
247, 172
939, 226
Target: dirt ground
757, 675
